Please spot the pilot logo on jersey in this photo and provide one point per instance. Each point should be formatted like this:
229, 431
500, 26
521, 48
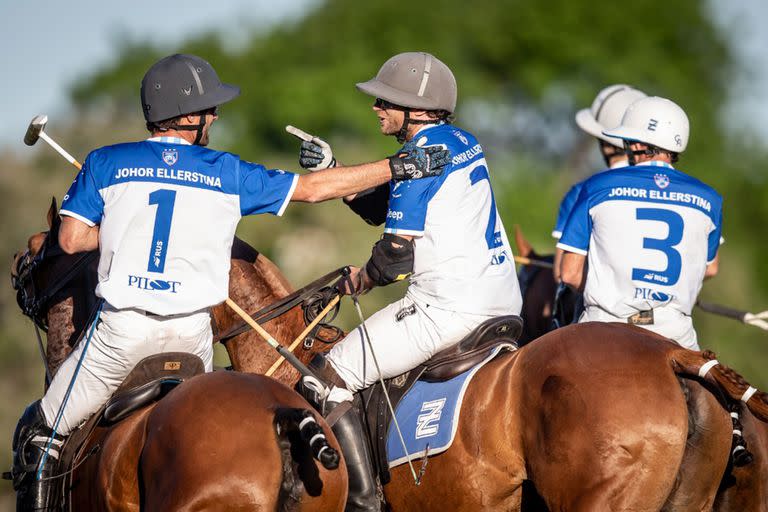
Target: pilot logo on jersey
661, 180
170, 156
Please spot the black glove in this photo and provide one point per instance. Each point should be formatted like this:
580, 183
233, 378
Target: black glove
315, 154
413, 162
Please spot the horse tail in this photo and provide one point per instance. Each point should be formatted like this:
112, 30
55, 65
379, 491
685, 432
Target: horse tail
705, 365
291, 421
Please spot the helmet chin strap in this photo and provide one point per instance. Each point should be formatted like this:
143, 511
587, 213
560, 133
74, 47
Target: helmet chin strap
649, 151
192, 127
402, 133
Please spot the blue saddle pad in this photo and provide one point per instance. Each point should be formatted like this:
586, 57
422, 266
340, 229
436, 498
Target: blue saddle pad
428, 415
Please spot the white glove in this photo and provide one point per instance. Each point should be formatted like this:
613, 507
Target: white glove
315, 154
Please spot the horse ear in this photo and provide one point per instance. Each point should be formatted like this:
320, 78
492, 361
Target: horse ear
524, 248
53, 211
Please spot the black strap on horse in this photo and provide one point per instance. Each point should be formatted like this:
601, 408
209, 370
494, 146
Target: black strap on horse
311, 297
30, 301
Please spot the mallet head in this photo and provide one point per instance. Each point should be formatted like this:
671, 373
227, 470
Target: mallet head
35, 127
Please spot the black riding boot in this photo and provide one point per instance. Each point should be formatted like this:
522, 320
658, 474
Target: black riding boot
351, 435
29, 441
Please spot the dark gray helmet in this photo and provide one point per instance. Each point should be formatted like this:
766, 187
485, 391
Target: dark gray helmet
416, 80
182, 84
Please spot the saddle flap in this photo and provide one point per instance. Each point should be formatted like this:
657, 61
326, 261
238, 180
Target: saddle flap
150, 380
459, 358
181, 365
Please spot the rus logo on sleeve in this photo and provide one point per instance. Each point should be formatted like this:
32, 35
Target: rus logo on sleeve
170, 156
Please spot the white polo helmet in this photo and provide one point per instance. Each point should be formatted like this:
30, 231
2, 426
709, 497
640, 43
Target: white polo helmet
607, 110
655, 121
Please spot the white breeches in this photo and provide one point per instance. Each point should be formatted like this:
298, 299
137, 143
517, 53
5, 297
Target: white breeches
399, 344
121, 339
668, 322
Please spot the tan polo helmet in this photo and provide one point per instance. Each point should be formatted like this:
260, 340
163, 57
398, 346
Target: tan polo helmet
416, 80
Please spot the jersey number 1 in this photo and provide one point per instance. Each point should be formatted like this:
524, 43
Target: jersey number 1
674, 222
164, 199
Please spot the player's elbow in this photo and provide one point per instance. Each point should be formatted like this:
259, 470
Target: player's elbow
711, 270
310, 190
68, 242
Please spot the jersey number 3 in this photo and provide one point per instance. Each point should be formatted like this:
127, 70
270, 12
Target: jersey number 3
164, 199
670, 275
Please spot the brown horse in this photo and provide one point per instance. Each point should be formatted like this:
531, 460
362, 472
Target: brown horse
219, 441
499, 477
742, 488
592, 414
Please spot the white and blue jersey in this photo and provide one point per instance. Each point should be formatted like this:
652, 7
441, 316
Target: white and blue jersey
463, 260
569, 201
649, 232
167, 212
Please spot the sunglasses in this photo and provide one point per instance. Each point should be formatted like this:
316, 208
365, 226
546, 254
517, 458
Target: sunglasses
385, 105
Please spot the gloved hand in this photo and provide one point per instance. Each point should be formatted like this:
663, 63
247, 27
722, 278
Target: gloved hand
315, 154
413, 162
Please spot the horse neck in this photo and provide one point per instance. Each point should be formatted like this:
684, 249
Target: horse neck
252, 287
68, 314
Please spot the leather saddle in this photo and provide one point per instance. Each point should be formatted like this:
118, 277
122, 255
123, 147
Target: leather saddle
149, 381
445, 365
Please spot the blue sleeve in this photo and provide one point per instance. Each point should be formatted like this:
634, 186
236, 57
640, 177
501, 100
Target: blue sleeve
578, 227
264, 191
83, 200
408, 201
715, 239
566, 206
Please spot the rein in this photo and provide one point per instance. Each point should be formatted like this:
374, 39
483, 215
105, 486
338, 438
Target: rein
30, 301
313, 298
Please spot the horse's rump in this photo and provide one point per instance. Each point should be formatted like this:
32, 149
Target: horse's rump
218, 433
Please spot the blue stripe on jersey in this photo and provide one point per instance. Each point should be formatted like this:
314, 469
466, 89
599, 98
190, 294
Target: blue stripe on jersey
642, 184
492, 236
260, 190
566, 207
408, 200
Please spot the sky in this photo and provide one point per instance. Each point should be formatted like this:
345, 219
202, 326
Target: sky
47, 44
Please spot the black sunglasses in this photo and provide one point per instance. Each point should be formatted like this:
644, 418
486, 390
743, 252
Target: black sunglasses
385, 105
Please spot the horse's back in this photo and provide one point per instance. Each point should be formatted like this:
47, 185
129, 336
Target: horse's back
212, 444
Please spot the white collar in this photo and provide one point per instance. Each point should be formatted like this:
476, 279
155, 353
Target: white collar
656, 163
170, 140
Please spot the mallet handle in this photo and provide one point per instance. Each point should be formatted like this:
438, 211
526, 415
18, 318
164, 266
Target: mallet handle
303, 334
269, 339
536, 263
60, 150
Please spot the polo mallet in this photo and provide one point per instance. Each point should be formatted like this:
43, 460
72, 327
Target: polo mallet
36, 131
756, 319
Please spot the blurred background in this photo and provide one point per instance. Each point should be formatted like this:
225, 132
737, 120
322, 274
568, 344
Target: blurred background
523, 68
